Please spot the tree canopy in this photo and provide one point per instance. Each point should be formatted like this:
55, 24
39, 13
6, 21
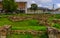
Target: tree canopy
34, 7
9, 5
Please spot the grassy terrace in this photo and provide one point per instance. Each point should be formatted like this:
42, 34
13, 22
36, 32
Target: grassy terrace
28, 25
27, 36
21, 25
56, 25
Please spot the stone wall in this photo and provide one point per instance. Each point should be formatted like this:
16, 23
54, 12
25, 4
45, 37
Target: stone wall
26, 31
53, 32
4, 31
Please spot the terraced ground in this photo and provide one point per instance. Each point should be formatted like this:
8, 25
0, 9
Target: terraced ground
27, 36
37, 22
31, 24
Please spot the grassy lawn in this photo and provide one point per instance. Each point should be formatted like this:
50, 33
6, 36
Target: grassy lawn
21, 25
22, 36
56, 25
27, 35
27, 25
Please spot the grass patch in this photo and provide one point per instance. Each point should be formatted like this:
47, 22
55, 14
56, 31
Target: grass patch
22, 25
27, 35
56, 25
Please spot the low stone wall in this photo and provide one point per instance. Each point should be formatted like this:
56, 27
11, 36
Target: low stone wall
4, 31
53, 32
19, 18
24, 32
22, 18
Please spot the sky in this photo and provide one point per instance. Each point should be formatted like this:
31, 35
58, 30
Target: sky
45, 3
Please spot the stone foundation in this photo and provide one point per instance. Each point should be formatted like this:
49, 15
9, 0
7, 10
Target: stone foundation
53, 32
4, 31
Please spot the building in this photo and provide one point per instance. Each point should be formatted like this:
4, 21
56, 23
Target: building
58, 9
39, 10
22, 5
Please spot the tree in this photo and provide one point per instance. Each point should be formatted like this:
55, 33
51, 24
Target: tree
9, 5
34, 7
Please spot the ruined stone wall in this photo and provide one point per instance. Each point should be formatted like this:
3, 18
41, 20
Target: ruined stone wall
53, 32
4, 31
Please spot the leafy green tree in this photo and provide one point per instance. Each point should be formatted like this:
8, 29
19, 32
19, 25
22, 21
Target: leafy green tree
9, 5
34, 7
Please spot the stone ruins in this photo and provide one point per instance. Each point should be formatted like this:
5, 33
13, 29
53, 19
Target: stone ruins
6, 29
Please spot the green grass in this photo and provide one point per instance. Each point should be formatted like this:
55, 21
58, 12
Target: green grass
27, 35
22, 36
56, 16
56, 25
21, 25
27, 24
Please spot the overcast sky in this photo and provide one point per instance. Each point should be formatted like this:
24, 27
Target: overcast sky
45, 3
